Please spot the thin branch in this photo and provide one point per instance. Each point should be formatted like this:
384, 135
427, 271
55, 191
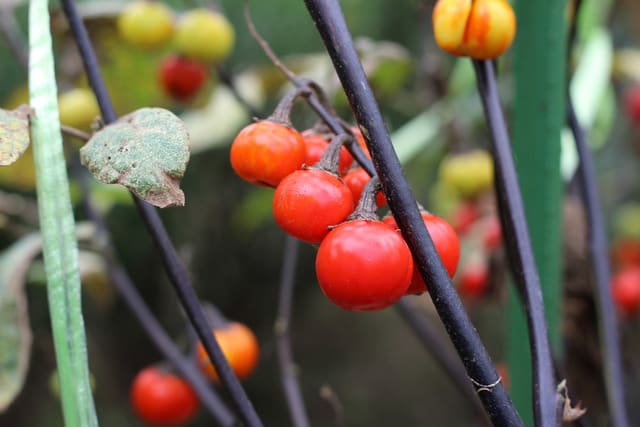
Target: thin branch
265, 46
173, 266
316, 99
520, 253
288, 376
76, 133
225, 77
331, 25
436, 346
608, 330
13, 36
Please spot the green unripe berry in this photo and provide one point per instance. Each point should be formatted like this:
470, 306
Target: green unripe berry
147, 25
204, 35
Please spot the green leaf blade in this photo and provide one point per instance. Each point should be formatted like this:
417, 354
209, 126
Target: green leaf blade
57, 226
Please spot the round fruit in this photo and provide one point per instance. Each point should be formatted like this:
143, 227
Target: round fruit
308, 202
78, 108
146, 24
625, 290
444, 239
316, 145
360, 138
492, 230
481, 29
265, 152
239, 346
465, 216
473, 281
162, 398
204, 35
182, 77
625, 253
469, 173
356, 180
632, 103
363, 265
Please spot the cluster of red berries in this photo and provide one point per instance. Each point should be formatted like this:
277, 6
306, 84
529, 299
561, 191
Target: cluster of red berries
199, 37
162, 398
465, 188
362, 264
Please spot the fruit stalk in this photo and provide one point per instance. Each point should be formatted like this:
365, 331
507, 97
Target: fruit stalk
609, 339
288, 376
520, 254
175, 269
331, 25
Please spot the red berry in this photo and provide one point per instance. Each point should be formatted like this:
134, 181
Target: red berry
363, 265
162, 399
265, 152
361, 141
316, 145
444, 239
625, 253
356, 180
182, 77
473, 281
632, 103
307, 202
465, 216
492, 233
625, 289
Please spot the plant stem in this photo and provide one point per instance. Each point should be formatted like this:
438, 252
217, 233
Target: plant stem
519, 251
13, 37
226, 79
332, 27
608, 331
436, 346
154, 330
60, 249
175, 270
288, 376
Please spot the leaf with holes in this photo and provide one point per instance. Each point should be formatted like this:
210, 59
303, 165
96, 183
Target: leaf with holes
14, 133
146, 151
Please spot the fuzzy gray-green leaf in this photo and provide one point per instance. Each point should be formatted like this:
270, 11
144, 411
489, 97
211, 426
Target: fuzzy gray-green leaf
14, 133
146, 151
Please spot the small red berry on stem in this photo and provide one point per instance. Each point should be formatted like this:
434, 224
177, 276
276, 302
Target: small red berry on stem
316, 144
265, 152
363, 264
632, 103
473, 280
445, 241
182, 77
162, 398
625, 290
356, 179
309, 201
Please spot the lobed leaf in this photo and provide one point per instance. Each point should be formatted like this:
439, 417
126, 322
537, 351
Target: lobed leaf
14, 133
147, 151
